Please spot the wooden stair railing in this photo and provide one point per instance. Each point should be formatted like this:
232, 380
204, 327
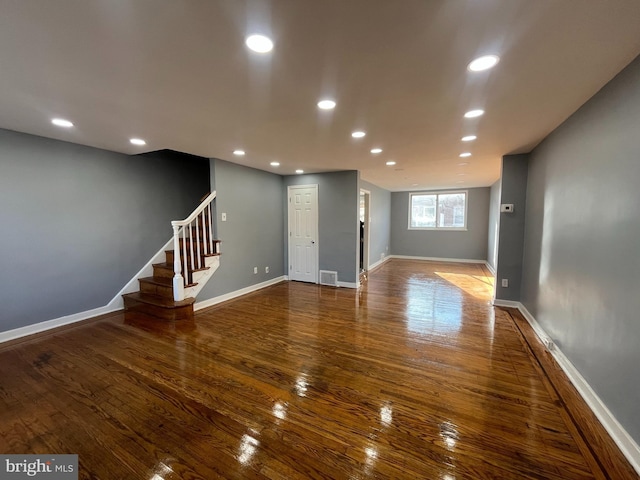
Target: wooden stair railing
170, 293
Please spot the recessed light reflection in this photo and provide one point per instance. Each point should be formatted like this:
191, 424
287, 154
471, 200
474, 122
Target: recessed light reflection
299, 171
390, 163
469, 138
386, 415
465, 154
449, 434
259, 43
279, 410
238, 152
358, 134
275, 164
248, 448
137, 141
301, 387
376, 150
61, 122
473, 113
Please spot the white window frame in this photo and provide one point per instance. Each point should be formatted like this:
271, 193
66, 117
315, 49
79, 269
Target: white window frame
437, 194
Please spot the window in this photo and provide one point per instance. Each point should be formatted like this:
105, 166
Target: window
442, 210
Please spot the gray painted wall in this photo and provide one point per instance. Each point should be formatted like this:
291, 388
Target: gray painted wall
581, 261
469, 245
380, 226
78, 222
494, 225
338, 198
511, 235
253, 234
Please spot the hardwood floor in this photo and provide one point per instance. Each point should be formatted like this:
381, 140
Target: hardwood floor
415, 375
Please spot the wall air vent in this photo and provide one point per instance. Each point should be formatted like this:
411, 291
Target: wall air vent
328, 277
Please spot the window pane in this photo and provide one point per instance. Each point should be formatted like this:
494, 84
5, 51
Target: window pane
423, 211
451, 210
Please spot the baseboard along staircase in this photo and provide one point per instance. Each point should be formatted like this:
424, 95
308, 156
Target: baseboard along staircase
171, 292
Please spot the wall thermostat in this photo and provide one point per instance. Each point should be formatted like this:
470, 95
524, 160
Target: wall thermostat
506, 208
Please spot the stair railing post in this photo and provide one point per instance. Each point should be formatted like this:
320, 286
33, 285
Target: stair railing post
178, 280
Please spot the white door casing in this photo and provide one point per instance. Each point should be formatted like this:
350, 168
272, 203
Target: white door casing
303, 233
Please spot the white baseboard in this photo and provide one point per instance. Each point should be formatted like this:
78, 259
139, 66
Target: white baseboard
378, 263
237, 293
55, 323
349, 284
620, 436
506, 303
438, 259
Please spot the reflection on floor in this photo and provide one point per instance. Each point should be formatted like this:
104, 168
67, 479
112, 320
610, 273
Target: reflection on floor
415, 375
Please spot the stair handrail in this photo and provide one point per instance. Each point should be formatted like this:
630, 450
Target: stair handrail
201, 247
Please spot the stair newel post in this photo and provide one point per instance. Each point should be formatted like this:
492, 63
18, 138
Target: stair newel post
211, 250
178, 280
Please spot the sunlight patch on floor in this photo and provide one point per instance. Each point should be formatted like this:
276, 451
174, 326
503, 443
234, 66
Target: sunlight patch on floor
478, 286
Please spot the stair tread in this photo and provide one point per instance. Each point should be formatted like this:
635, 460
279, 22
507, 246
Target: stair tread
164, 281
158, 300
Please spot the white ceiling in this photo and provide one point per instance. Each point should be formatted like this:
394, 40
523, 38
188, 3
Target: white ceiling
177, 73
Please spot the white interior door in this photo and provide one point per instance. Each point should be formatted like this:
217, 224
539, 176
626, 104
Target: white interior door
303, 233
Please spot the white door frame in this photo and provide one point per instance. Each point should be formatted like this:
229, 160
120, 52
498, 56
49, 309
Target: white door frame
367, 229
317, 243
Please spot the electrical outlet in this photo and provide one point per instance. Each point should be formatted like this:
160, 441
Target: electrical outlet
255, 270
224, 217
266, 269
382, 256
505, 282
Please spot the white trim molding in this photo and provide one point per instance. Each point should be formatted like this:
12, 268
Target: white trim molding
349, 284
627, 445
377, 264
490, 268
438, 259
237, 293
55, 323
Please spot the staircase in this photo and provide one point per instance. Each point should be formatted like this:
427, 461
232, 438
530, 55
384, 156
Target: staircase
171, 292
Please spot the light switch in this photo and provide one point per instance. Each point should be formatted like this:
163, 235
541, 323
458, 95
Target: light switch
224, 216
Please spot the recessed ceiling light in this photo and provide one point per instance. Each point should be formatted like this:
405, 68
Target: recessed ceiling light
358, 134
465, 154
137, 141
469, 138
238, 152
483, 63
259, 43
390, 163
326, 104
473, 113
61, 122
275, 164
376, 150
299, 171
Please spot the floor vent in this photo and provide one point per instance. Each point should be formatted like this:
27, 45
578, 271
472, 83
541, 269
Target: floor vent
328, 277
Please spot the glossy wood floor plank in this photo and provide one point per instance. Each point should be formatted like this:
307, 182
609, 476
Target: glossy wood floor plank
415, 375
